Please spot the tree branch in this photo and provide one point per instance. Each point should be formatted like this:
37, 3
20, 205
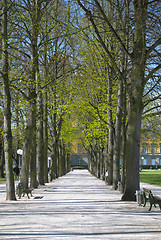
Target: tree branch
158, 82
157, 43
101, 118
152, 114
19, 90
112, 29
152, 72
89, 15
151, 109
152, 100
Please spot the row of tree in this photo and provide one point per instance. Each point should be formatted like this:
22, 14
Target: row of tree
35, 73
85, 70
121, 82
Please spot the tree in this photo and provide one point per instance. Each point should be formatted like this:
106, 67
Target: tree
2, 162
10, 188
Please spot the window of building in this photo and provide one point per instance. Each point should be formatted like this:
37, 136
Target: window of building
152, 136
144, 161
148, 161
153, 162
160, 148
153, 148
157, 161
79, 161
144, 148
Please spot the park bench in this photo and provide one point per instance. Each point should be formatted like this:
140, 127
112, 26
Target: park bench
153, 200
21, 191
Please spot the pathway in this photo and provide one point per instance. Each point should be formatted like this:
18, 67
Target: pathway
77, 206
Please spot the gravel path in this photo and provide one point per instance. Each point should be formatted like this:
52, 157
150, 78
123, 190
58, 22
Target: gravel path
77, 206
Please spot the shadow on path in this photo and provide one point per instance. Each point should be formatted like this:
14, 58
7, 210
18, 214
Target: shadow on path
77, 206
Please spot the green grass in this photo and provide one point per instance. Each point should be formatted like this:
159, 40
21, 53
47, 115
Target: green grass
2, 179
151, 177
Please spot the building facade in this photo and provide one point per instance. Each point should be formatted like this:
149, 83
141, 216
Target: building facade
150, 151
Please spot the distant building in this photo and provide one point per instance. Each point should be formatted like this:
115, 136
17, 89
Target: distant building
79, 156
150, 150
79, 160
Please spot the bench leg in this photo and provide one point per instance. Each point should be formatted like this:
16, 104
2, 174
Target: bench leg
159, 205
144, 203
150, 207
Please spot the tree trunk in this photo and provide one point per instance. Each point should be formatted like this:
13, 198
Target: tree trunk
89, 161
123, 152
97, 163
45, 127
101, 157
30, 139
10, 187
40, 146
54, 155
2, 160
133, 153
135, 91
92, 161
28, 145
61, 159
33, 170
109, 167
45, 117
2, 163
68, 162
117, 137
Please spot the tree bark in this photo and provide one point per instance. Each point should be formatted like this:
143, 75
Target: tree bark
54, 155
10, 187
109, 166
68, 162
40, 146
28, 145
135, 91
33, 170
2, 162
35, 17
133, 153
117, 137
45, 127
123, 151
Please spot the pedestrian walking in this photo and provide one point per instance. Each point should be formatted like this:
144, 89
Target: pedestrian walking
17, 172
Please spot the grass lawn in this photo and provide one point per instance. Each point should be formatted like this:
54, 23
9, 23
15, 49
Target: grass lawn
151, 177
2, 179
